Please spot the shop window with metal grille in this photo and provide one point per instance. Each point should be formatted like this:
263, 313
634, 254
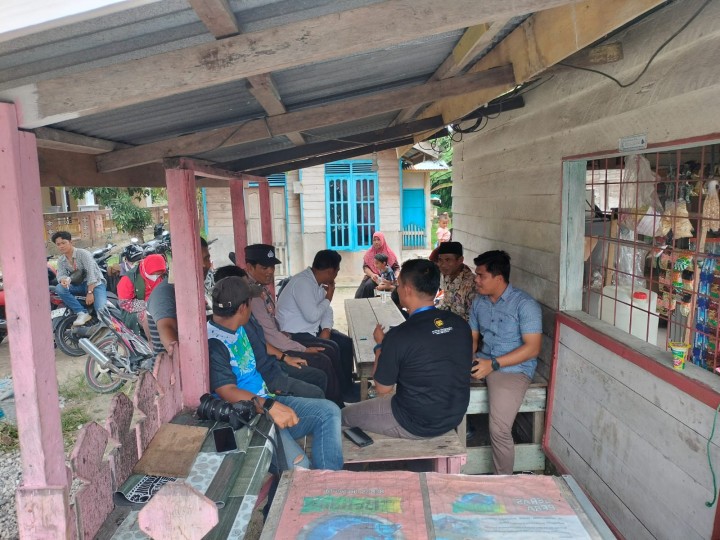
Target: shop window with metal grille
351, 204
652, 248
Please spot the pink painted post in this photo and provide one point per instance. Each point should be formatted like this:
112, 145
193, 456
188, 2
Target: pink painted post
43, 503
265, 214
190, 291
237, 200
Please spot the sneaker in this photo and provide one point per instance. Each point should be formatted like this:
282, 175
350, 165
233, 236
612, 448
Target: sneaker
82, 318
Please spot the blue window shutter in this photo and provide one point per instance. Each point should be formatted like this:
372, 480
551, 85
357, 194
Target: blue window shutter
351, 204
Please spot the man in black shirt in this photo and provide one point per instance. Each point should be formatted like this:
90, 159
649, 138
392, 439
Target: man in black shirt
426, 360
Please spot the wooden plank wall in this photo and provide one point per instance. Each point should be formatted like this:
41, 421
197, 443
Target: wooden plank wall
508, 176
635, 443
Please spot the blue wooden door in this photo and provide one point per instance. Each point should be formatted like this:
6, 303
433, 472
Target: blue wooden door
413, 208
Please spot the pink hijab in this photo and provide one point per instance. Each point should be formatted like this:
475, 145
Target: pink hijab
369, 258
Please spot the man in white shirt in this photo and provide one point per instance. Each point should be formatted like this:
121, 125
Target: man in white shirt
304, 311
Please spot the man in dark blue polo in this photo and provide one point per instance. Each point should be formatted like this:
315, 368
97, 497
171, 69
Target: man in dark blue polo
509, 322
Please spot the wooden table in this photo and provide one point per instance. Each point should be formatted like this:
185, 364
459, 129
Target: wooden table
401, 504
363, 315
232, 479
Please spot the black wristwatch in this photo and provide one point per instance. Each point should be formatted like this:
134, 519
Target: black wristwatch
282, 358
495, 364
269, 402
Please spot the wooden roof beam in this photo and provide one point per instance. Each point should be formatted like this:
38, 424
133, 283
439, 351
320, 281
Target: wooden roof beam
319, 160
303, 120
473, 41
220, 20
540, 42
382, 24
217, 16
328, 147
58, 139
265, 91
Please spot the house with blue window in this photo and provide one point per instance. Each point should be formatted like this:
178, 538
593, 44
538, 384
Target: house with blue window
336, 205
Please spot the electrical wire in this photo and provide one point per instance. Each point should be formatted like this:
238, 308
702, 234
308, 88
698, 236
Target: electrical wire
647, 65
709, 504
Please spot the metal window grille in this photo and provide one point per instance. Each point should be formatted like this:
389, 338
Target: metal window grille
351, 204
652, 248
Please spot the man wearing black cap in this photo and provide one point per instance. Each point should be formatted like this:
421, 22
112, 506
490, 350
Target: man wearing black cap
234, 377
458, 281
260, 261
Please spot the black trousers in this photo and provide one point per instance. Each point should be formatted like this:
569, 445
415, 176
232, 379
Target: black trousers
308, 375
340, 350
366, 288
321, 361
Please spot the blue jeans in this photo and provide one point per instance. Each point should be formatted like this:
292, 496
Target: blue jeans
321, 419
68, 296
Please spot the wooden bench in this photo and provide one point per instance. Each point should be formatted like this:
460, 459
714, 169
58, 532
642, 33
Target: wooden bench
528, 457
363, 315
447, 451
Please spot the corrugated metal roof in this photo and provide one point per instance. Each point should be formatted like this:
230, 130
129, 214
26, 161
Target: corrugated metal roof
171, 25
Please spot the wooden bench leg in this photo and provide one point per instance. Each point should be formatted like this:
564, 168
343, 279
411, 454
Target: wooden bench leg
450, 465
538, 430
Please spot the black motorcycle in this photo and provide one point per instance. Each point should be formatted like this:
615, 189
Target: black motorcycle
67, 336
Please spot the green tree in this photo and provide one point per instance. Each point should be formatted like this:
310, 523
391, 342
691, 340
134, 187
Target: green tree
127, 216
441, 181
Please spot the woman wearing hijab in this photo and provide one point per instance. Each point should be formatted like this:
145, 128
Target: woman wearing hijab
135, 287
372, 278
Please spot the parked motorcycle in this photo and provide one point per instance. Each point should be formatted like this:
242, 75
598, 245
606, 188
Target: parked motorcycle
67, 336
116, 355
54, 302
135, 252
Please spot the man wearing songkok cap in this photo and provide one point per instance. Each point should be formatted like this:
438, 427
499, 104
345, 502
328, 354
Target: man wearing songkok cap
458, 281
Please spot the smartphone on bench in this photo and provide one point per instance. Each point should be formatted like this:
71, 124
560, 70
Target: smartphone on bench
358, 436
224, 439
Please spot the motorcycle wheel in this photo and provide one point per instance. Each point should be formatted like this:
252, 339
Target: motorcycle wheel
64, 338
104, 380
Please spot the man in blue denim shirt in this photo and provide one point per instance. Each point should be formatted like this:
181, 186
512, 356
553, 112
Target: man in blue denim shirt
509, 322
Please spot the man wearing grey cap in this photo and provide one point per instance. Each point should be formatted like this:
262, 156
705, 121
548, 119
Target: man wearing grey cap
234, 377
260, 261
458, 281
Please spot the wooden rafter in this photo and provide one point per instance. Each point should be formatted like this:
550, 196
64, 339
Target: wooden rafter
302, 120
220, 20
382, 24
217, 16
264, 90
541, 41
473, 41
319, 160
324, 148
57, 139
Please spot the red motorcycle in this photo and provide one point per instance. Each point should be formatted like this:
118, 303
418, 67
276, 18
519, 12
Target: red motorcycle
55, 302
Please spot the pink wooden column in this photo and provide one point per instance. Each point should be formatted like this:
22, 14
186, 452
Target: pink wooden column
265, 214
43, 499
189, 287
237, 199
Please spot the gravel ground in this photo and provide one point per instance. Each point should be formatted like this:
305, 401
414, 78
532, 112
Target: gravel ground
9, 480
